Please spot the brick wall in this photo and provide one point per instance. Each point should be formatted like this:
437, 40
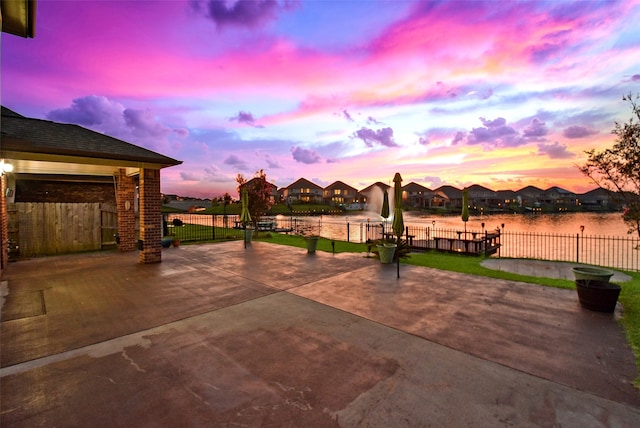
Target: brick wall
62, 191
150, 216
125, 196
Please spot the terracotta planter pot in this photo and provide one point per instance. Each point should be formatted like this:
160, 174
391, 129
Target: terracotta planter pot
600, 296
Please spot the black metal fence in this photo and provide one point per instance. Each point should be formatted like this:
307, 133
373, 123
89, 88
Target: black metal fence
610, 251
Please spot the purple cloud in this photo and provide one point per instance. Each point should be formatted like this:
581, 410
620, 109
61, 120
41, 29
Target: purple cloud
536, 130
143, 124
347, 116
101, 114
243, 13
496, 133
305, 155
373, 121
88, 111
554, 151
245, 117
214, 174
383, 136
271, 163
236, 162
459, 137
635, 78
578, 132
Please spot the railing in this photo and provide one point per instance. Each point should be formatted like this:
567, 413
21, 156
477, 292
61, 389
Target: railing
610, 251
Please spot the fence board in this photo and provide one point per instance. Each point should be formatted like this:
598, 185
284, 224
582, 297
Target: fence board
57, 228
108, 224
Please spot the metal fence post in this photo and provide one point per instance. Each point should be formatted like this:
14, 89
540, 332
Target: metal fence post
577, 248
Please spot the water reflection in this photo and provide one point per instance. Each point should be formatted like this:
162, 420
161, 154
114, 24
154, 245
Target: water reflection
595, 224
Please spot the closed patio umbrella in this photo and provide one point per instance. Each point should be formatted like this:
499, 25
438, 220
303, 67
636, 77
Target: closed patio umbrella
465, 210
385, 205
398, 221
384, 213
245, 217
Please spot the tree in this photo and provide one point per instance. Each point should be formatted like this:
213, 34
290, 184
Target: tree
259, 193
617, 169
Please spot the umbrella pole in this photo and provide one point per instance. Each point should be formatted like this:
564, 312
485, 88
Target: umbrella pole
398, 251
244, 236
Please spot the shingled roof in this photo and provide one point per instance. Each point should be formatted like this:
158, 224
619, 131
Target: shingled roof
36, 136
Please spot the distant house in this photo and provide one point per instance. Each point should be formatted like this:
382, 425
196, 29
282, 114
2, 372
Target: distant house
274, 195
530, 197
482, 198
595, 199
303, 191
559, 198
507, 199
417, 196
372, 194
340, 194
447, 197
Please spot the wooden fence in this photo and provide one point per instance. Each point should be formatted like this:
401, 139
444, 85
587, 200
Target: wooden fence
38, 229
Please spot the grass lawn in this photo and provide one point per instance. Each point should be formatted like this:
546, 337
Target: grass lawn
629, 297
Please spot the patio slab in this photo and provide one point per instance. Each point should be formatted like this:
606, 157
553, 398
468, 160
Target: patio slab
216, 335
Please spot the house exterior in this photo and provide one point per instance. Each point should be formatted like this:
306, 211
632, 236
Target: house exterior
274, 194
447, 197
482, 198
560, 199
417, 196
507, 200
596, 199
531, 197
302, 191
372, 194
54, 162
339, 194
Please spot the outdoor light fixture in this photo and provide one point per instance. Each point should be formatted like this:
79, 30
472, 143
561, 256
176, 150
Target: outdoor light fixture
5, 167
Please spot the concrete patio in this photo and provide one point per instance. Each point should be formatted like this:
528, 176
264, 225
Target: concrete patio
217, 335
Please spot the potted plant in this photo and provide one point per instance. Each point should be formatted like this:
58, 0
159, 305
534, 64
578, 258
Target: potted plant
166, 241
592, 273
400, 250
312, 243
595, 292
600, 296
386, 251
248, 233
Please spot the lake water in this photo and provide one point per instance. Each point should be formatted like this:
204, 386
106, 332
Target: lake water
597, 224
603, 242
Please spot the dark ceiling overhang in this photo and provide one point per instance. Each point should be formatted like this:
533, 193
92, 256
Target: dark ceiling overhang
18, 17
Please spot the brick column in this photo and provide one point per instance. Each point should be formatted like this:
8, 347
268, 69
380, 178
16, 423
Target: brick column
150, 216
125, 198
4, 225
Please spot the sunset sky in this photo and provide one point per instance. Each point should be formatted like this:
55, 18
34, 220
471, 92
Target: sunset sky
499, 93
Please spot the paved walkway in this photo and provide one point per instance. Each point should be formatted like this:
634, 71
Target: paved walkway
544, 269
217, 335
